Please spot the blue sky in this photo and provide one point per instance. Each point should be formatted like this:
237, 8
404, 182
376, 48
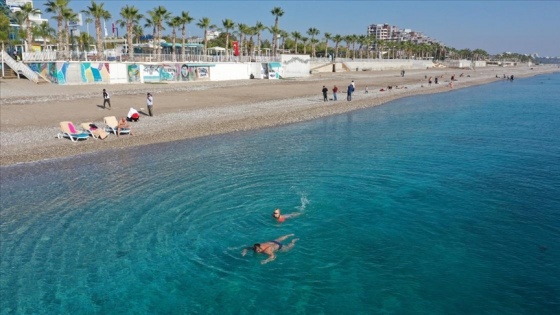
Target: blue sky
495, 26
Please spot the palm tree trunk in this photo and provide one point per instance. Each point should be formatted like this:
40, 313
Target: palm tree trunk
183, 34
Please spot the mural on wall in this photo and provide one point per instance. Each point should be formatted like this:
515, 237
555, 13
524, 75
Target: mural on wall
61, 68
150, 73
264, 70
168, 72
48, 70
186, 73
133, 73
274, 70
203, 73
92, 72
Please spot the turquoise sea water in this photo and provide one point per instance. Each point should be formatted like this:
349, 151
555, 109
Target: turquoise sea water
437, 204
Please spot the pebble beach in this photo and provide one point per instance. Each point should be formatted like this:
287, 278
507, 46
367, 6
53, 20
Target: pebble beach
30, 114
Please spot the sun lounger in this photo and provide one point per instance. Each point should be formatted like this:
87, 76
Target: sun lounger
111, 124
94, 131
68, 130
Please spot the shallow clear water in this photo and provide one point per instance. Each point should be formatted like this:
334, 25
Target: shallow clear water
438, 204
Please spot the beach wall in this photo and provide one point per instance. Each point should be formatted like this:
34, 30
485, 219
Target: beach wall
375, 65
295, 66
75, 72
464, 63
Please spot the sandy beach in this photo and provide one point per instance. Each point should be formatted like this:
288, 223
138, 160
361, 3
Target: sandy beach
30, 114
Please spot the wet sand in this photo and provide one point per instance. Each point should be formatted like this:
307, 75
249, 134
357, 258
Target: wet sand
30, 114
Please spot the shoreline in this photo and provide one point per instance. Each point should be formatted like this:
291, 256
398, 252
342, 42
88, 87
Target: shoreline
30, 113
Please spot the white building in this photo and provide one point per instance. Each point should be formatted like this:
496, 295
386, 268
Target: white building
14, 6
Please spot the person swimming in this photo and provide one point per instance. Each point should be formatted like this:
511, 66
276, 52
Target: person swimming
282, 217
269, 248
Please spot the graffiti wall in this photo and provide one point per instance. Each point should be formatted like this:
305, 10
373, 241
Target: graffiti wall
133, 73
294, 66
94, 72
111, 73
167, 72
46, 69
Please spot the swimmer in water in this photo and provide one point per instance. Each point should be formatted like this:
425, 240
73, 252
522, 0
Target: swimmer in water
271, 247
282, 217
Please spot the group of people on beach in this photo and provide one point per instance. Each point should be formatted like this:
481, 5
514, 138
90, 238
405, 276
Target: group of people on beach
271, 247
132, 115
349, 91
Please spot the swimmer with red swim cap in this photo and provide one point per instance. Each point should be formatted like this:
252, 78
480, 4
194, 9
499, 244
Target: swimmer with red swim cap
282, 217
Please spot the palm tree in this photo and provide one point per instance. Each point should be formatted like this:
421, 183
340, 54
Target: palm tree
84, 40
313, 32
228, 25
348, 40
297, 36
242, 30
57, 7
283, 35
362, 42
259, 27
251, 31
27, 9
159, 16
45, 31
277, 12
174, 23
19, 17
354, 39
69, 16
185, 19
205, 24
98, 13
304, 41
131, 16
152, 23
337, 39
328, 37
138, 32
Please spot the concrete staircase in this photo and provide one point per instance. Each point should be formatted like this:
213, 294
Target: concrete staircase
19, 69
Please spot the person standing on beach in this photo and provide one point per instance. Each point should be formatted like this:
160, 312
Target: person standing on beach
350, 90
106, 99
150, 103
334, 91
325, 96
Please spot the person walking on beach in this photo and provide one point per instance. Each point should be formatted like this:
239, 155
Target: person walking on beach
334, 91
269, 248
325, 96
106, 99
150, 103
282, 217
350, 90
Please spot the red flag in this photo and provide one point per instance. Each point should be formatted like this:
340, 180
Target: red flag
235, 48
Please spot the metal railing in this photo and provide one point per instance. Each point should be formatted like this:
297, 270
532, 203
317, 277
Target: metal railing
119, 57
